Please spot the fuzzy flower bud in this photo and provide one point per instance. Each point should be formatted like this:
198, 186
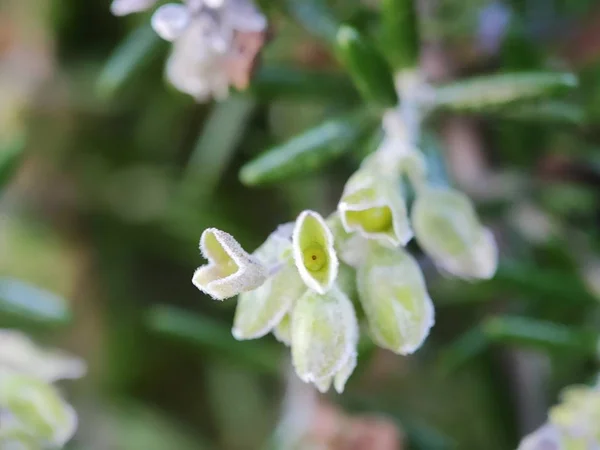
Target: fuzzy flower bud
37, 407
448, 230
394, 297
373, 206
20, 354
260, 310
314, 255
324, 337
230, 270
283, 330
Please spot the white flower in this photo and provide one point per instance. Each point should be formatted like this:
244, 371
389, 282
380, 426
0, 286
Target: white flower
170, 21
230, 269
124, 7
313, 252
20, 354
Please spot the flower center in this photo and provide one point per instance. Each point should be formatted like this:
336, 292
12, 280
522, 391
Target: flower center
314, 258
377, 219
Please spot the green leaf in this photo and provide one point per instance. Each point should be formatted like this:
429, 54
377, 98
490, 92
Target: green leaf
306, 152
545, 112
494, 91
291, 82
368, 69
400, 38
214, 337
315, 16
21, 302
132, 55
11, 156
464, 349
540, 334
215, 147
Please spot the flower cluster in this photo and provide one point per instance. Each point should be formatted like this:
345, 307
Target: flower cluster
206, 54
32, 411
306, 282
572, 425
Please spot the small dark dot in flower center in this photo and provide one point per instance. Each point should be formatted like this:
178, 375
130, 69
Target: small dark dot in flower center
314, 257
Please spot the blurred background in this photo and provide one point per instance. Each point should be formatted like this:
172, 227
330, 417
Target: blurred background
108, 177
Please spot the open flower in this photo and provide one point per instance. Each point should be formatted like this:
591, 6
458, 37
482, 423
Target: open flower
313, 251
324, 336
37, 408
394, 297
230, 270
448, 230
20, 354
373, 206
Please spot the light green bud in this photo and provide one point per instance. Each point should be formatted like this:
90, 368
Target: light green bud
373, 205
394, 297
448, 230
37, 407
314, 255
14, 437
283, 330
324, 338
230, 270
20, 354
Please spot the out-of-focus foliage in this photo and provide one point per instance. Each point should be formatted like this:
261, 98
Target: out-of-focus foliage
108, 176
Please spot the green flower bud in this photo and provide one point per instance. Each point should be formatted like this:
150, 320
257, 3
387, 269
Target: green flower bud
37, 407
230, 270
373, 205
313, 252
260, 310
16, 438
350, 247
394, 297
324, 338
283, 330
448, 230
20, 354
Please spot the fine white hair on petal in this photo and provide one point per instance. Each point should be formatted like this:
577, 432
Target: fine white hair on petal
332, 260
124, 7
170, 21
250, 273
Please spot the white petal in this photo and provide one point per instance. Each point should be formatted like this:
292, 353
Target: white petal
170, 21
124, 7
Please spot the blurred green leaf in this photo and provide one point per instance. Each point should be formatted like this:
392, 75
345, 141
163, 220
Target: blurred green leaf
315, 16
539, 334
279, 81
11, 156
463, 350
130, 57
22, 303
400, 38
214, 337
545, 112
366, 66
216, 146
493, 91
306, 152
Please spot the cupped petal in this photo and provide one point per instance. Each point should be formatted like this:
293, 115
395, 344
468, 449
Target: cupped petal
448, 230
170, 21
394, 297
313, 251
374, 206
230, 269
283, 330
324, 335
